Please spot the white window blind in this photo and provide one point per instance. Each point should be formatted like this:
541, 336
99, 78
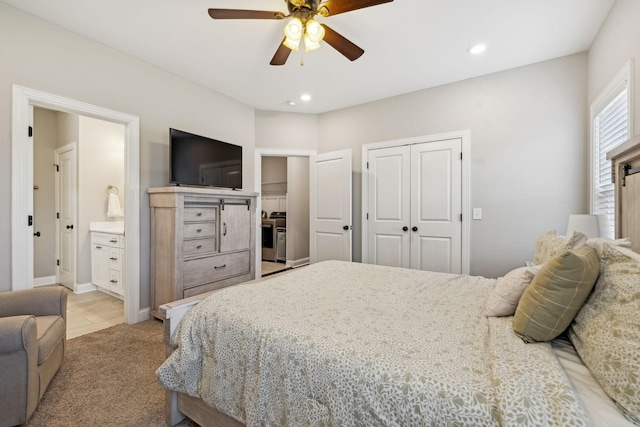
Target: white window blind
610, 129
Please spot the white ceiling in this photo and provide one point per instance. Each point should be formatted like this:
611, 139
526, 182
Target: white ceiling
409, 44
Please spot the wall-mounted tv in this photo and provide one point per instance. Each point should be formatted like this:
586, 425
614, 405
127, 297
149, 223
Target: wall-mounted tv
197, 160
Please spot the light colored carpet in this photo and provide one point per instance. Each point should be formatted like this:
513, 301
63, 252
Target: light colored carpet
108, 379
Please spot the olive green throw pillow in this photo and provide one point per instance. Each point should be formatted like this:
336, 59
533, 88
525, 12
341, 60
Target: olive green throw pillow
555, 295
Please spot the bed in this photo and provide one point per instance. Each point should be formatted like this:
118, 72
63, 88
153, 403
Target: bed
349, 344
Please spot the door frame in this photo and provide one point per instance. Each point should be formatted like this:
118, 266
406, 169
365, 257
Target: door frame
65, 148
257, 175
465, 136
22, 189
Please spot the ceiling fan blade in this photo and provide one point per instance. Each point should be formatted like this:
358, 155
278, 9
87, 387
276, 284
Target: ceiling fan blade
281, 54
341, 44
334, 7
244, 14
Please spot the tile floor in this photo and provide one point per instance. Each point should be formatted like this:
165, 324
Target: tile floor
269, 268
91, 312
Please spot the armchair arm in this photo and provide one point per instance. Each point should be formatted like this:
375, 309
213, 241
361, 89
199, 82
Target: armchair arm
45, 301
18, 333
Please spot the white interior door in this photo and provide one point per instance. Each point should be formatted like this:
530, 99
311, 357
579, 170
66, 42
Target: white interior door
389, 175
330, 206
436, 206
66, 210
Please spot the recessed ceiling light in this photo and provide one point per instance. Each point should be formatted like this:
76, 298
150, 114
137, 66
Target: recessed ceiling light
305, 97
477, 49
292, 103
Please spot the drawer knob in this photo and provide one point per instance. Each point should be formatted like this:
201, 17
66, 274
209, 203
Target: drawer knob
113, 259
113, 241
217, 267
114, 281
199, 247
98, 247
199, 230
199, 214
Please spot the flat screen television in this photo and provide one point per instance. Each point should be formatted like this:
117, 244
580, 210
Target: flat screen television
197, 160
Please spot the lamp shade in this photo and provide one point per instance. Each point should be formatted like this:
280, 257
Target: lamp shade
589, 225
293, 32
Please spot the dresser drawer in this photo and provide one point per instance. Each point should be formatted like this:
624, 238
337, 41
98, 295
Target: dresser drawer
204, 270
199, 229
198, 247
200, 214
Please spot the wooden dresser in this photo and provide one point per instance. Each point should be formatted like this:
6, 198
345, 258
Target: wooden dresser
625, 161
202, 239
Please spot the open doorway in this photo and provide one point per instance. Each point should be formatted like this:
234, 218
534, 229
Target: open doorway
78, 170
24, 100
285, 186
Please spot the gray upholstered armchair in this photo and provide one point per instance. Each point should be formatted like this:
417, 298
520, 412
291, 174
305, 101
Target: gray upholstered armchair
33, 327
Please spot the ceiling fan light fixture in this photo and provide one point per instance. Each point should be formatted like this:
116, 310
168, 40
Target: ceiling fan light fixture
314, 31
291, 44
294, 29
293, 32
309, 44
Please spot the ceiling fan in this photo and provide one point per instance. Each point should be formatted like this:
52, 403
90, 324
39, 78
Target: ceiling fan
303, 26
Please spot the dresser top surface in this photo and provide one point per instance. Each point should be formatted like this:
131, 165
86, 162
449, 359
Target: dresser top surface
201, 190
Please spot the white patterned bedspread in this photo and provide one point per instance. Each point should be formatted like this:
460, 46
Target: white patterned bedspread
347, 344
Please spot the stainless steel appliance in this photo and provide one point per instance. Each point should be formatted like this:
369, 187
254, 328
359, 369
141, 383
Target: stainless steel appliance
270, 226
281, 244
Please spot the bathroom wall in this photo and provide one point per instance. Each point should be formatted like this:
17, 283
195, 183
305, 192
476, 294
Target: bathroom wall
100, 164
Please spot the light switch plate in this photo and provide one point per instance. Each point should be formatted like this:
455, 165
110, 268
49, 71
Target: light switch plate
477, 213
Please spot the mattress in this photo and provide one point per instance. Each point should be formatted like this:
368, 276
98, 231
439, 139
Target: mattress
351, 344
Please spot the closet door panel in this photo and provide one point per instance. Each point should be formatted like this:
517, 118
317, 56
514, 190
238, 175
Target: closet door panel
436, 205
389, 198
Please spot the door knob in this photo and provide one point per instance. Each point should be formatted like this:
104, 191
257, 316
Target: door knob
70, 227
414, 228
405, 228
346, 227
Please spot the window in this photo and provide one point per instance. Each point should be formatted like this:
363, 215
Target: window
610, 123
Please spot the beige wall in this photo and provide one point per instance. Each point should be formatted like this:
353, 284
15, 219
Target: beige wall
617, 41
274, 175
45, 57
289, 131
45, 140
528, 150
100, 163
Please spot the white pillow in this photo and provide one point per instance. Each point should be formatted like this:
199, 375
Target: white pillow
503, 298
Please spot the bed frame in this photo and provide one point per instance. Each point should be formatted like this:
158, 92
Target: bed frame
626, 170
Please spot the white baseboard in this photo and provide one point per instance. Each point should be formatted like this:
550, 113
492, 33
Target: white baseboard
43, 281
83, 288
144, 314
297, 262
